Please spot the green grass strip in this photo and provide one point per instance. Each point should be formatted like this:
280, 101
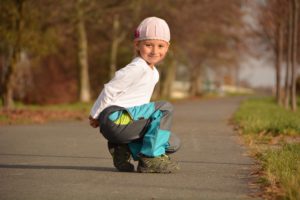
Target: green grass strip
261, 119
283, 166
264, 115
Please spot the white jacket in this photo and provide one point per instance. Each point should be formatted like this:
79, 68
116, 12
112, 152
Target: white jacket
131, 86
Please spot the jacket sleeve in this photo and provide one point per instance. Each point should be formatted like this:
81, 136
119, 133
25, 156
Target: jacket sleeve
123, 79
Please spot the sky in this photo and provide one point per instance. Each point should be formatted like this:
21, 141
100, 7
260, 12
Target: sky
257, 72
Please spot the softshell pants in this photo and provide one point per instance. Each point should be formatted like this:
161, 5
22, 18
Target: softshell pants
145, 128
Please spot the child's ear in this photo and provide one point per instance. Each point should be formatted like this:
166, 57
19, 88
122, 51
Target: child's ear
168, 46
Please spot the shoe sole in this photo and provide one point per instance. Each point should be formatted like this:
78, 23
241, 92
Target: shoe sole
149, 170
125, 169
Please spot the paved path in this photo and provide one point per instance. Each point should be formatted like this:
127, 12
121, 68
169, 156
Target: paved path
70, 161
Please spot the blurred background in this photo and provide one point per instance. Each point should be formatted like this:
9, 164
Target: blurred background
54, 52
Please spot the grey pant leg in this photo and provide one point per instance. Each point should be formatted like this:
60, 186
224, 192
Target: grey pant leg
127, 133
115, 133
167, 109
174, 143
165, 124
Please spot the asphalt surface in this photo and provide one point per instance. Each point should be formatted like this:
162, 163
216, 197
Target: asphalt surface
69, 160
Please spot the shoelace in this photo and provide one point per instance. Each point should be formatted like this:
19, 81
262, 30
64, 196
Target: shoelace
164, 156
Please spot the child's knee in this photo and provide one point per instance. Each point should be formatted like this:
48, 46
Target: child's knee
164, 106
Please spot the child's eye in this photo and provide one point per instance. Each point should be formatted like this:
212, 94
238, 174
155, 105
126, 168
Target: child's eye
147, 45
161, 46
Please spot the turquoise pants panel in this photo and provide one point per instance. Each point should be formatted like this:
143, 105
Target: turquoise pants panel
145, 128
155, 140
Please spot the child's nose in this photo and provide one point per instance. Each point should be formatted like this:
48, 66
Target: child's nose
154, 50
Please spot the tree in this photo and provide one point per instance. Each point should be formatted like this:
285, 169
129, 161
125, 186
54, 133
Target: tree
205, 35
209, 36
170, 74
295, 10
279, 56
84, 81
289, 59
117, 37
15, 12
279, 29
119, 33
281, 17
24, 34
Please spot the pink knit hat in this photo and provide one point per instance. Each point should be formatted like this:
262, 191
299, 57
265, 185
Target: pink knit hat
152, 28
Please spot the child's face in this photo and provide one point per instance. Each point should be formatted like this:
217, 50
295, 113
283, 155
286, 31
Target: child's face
152, 51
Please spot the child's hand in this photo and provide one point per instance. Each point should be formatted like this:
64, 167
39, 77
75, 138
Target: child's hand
93, 122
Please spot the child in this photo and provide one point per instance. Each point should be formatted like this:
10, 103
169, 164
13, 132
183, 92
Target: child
132, 124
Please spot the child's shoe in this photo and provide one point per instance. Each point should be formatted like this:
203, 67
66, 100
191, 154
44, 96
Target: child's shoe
161, 164
121, 157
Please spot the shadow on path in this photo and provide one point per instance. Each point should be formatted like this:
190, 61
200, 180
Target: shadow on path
53, 156
63, 167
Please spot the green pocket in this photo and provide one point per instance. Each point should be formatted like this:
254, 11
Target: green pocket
121, 118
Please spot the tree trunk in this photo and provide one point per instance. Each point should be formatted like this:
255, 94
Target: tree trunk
294, 54
117, 38
195, 82
279, 55
9, 81
289, 58
170, 77
84, 81
114, 47
236, 78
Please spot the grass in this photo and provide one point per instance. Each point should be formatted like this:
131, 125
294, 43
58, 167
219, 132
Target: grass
273, 133
67, 107
257, 116
3, 118
282, 166
28, 114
